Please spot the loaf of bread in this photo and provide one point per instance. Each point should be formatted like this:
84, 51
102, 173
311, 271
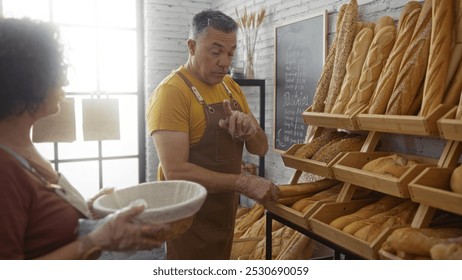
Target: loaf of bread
440, 51
417, 102
393, 165
406, 213
309, 149
452, 96
353, 69
322, 88
446, 251
248, 219
376, 58
387, 79
413, 65
309, 188
344, 46
456, 52
280, 238
456, 180
365, 212
326, 195
384, 219
297, 248
418, 242
350, 143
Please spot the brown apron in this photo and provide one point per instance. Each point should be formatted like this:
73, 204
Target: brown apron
211, 234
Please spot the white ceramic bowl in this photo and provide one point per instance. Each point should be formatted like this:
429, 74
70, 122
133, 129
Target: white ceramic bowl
171, 202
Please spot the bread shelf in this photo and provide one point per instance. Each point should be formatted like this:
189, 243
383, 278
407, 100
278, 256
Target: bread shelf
342, 121
348, 169
431, 188
328, 212
450, 128
308, 165
401, 124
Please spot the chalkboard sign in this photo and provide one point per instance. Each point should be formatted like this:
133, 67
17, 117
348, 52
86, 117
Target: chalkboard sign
300, 51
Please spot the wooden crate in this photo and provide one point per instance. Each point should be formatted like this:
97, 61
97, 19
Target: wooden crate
329, 211
308, 165
342, 121
450, 128
402, 124
348, 169
431, 188
384, 255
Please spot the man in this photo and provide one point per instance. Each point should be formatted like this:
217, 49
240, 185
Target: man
200, 121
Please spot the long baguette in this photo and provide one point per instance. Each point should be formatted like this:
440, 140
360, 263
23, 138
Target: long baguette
376, 58
306, 188
353, 69
416, 241
387, 79
322, 88
344, 45
413, 65
440, 51
456, 52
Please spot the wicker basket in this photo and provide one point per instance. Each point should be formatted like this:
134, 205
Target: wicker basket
244, 246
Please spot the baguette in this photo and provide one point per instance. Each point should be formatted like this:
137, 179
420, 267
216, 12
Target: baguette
386, 81
306, 188
322, 88
297, 248
377, 56
446, 251
365, 212
416, 241
456, 52
353, 69
440, 51
413, 65
255, 213
344, 45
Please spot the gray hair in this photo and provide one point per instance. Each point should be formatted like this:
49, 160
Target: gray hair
211, 18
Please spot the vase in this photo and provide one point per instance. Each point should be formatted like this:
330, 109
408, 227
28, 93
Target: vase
249, 60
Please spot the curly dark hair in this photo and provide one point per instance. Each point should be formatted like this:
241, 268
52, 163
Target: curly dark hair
31, 64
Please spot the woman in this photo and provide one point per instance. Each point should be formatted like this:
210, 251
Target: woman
39, 209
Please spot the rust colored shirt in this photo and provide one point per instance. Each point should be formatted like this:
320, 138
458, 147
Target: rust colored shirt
33, 219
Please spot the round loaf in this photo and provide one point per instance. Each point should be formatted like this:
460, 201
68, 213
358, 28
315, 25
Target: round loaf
456, 180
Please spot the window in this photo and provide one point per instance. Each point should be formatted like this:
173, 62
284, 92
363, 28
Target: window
104, 50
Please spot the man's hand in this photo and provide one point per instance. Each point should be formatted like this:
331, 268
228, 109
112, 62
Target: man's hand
257, 188
238, 124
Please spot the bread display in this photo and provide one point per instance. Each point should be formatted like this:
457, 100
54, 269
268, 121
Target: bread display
393, 165
346, 37
413, 65
383, 90
377, 56
322, 88
353, 68
440, 51
248, 219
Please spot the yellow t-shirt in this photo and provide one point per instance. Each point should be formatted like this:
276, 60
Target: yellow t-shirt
173, 106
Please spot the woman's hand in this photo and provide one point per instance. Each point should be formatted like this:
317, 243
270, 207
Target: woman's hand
119, 232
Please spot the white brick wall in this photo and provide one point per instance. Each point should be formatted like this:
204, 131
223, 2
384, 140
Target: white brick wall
167, 25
